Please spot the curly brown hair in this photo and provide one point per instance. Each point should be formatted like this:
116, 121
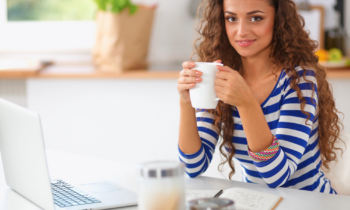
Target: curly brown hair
290, 46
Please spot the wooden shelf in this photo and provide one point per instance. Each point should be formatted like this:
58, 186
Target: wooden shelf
89, 72
338, 73
135, 74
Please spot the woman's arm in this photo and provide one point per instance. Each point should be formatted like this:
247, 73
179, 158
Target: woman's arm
294, 135
197, 162
189, 141
256, 129
291, 129
197, 138
232, 89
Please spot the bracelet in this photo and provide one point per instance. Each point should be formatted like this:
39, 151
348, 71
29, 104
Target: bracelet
266, 154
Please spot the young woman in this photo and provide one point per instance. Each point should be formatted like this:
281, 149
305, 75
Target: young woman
277, 114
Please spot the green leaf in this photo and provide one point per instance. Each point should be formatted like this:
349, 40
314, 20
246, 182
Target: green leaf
132, 9
116, 6
102, 4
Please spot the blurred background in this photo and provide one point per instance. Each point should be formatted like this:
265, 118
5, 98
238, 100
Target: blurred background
46, 65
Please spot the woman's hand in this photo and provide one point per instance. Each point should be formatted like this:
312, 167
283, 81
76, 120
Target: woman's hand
231, 88
188, 79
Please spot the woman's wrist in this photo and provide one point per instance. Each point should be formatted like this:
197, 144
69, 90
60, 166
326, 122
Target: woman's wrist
249, 102
185, 104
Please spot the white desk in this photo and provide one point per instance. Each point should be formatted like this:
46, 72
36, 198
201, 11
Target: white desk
70, 167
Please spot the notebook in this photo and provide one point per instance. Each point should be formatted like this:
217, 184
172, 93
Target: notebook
243, 198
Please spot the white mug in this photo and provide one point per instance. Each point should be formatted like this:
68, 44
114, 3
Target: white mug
203, 95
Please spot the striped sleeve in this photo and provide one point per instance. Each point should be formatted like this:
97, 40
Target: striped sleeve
292, 132
198, 163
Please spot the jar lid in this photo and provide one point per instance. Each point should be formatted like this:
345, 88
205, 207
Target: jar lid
161, 169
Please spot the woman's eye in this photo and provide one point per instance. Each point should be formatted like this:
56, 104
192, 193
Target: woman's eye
256, 19
231, 19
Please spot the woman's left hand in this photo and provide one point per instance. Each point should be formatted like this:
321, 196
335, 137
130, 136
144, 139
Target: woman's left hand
231, 88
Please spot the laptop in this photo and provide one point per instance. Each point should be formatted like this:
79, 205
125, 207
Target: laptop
26, 172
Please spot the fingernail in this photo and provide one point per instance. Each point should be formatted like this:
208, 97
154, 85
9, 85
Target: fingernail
198, 79
192, 64
198, 73
192, 84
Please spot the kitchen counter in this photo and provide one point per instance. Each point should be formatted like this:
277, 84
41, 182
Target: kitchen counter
88, 71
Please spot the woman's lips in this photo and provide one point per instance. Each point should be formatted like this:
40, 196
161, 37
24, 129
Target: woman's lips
245, 43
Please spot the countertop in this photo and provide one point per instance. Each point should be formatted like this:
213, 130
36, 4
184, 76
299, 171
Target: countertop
82, 71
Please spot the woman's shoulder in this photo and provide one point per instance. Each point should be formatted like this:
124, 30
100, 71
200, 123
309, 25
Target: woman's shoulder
300, 71
300, 74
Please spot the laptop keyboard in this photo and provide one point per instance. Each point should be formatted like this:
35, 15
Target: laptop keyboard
65, 195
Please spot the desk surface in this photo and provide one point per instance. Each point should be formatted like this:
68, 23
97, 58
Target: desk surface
87, 71
71, 167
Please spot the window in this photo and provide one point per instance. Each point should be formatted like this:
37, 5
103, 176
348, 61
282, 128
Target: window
50, 10
47, 25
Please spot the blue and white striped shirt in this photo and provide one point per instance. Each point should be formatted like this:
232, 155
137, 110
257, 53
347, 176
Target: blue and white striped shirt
297, 162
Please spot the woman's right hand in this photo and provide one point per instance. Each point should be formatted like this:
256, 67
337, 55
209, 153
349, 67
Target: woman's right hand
188, 79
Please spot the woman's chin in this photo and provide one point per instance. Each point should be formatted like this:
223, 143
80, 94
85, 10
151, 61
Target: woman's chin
245, 53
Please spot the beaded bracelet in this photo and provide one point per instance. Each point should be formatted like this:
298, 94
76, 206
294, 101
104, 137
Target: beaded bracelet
266, 154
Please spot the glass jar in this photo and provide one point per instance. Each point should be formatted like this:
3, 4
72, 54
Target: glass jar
161, 186
335, 38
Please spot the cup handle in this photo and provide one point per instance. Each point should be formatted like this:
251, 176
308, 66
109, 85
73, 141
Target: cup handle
217, 99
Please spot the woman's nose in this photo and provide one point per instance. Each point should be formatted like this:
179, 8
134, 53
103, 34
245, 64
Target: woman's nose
243, 29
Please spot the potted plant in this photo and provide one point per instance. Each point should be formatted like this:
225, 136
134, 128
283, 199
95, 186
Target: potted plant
123, 32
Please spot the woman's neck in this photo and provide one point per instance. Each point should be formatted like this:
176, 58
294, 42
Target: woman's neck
257, 67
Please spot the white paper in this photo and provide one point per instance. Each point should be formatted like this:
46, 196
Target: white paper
195, 194
250, 199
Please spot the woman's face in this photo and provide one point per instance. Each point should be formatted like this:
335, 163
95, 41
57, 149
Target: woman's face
249, 25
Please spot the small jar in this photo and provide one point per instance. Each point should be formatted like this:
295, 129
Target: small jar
161, 186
